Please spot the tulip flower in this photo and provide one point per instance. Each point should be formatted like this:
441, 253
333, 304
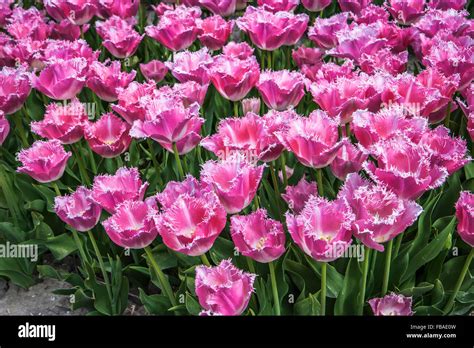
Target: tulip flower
132, 225
465, 216
384, 60
62, 79
44, 161
108, 136
354, 6
129, 104
313, 139
297, 196
257, 236
66, 30
222, 8
391, 304
28, 24
371, 14
4, 127
434, 21
118, 36
57, 50
322, 229
191, 66
349, 159
240, 50
281, 89
5, 11
190, 92
154, 70
251, 105
123, 8
224, 289
323, 32
214, 31
447, 4
278, 5
78, 209
104, 79
233, 77
15, 88
109, 191
406, 12
379, 214
315, 5
78, 12
234, 180
307, 56
62, 122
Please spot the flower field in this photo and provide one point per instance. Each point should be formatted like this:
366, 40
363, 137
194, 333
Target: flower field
234, 157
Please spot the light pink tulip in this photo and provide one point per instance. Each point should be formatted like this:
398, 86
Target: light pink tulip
14, 89
391, 305
77, 11
349, 159
307, 56
118, 36
372, 13
78, 209
354, 6
447, 4
297, 196
315, 5
251, 105
222, 8
323, 32
406, 12
281, 89
191, 92
214, 32
322, 229
154, 70
4, 127
224, 289
328, 72
66, 30
130, 105
278, 5
234, 180
191, 66
465, 216
5, 11
54, 50
384, 60
28, 24
44, 161
109, 191
240, 50
123, 8
434, 21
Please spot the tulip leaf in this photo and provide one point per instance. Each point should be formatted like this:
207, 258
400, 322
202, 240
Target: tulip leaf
155, 304
61, 246
346, 301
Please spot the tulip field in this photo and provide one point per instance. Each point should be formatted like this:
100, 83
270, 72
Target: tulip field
235, 157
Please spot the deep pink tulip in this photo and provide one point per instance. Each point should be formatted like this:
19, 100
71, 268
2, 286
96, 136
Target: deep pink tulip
234, 180
251, 105
379, 214
281, 89
130, 105
312, 139
154, 70
315, 5
44, 161
349, 159
240, 50
324, 31
104, 79
4, 127
269, 31
278, 5
191, 66
406, 168
406, 12
224, 289
62, 79
168, 121
132, 225
109, 191
108, 136
77, 11
176, 29
192, 217
391, 305
54, 50
372, 13
28, 24
447, 4
434, 21
470, 125
307, 56
322, 229
123, 8
14, 89
162, 7
191, 92
118, 36
78, 209
62, 122
384, 60
297, 196
223, 8
258, 236
214, 32
465, 216
66, 30
5, 11
233, 77
354, 6
329, 72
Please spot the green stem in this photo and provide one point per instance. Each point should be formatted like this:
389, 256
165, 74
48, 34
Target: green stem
459, 282
154, 161
21, 129
388, 261
251, 265
80, 163
79, 246
56, 188
269, 60
364, 281
178, 161
319, 177
398, 243
205, 260
283, 169
275, 186
448, 116
324, 266
161, 276
236, 109
348, 130
274, 288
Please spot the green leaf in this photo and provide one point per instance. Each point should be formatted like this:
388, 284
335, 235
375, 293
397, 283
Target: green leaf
193, 306
346, 301
61, 246
308, 306
417, 291
155, 304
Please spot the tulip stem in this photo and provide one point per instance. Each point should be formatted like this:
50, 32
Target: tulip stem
161, 276
398, 243
324, 267
274, 288
178, 161
319, 177
21, 129
79, 246
154, 161
251, 265
388, 261
236, 109
269, 62
277, 190
364, 281
459, 282
448, 116
348, 130
283, 169
205, 260
56, 188
80, 163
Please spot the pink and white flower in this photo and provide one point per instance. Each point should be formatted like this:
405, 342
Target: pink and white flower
391, 305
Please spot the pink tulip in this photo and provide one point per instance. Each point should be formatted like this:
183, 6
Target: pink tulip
447, 4
391, 305
269, 31
329, 72
131, 225
154, 70
379, 214
66, 30
348, 160
169, 122
251, 105
406, 12
222, 8
281, 89
312, 139
78, 209
406, 168
14, 89
123, 8
297, 196
62, 122
234, 180
322, 229
233, 77
465, 216
192, 217
307, 56
191, 92
5, 11
470, 125
214, 32
4, 127
224, 289
108, 136
176, 29
130, 105
278, 5
118, 36
371, 14
77, 11
109, 191
258, 236
44, 161
315, 5
240, 50
434, 21
354, 6
54, 50
191, 66
62, 79
28, 24
324, 31
384, 60
104, 79
162, 7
